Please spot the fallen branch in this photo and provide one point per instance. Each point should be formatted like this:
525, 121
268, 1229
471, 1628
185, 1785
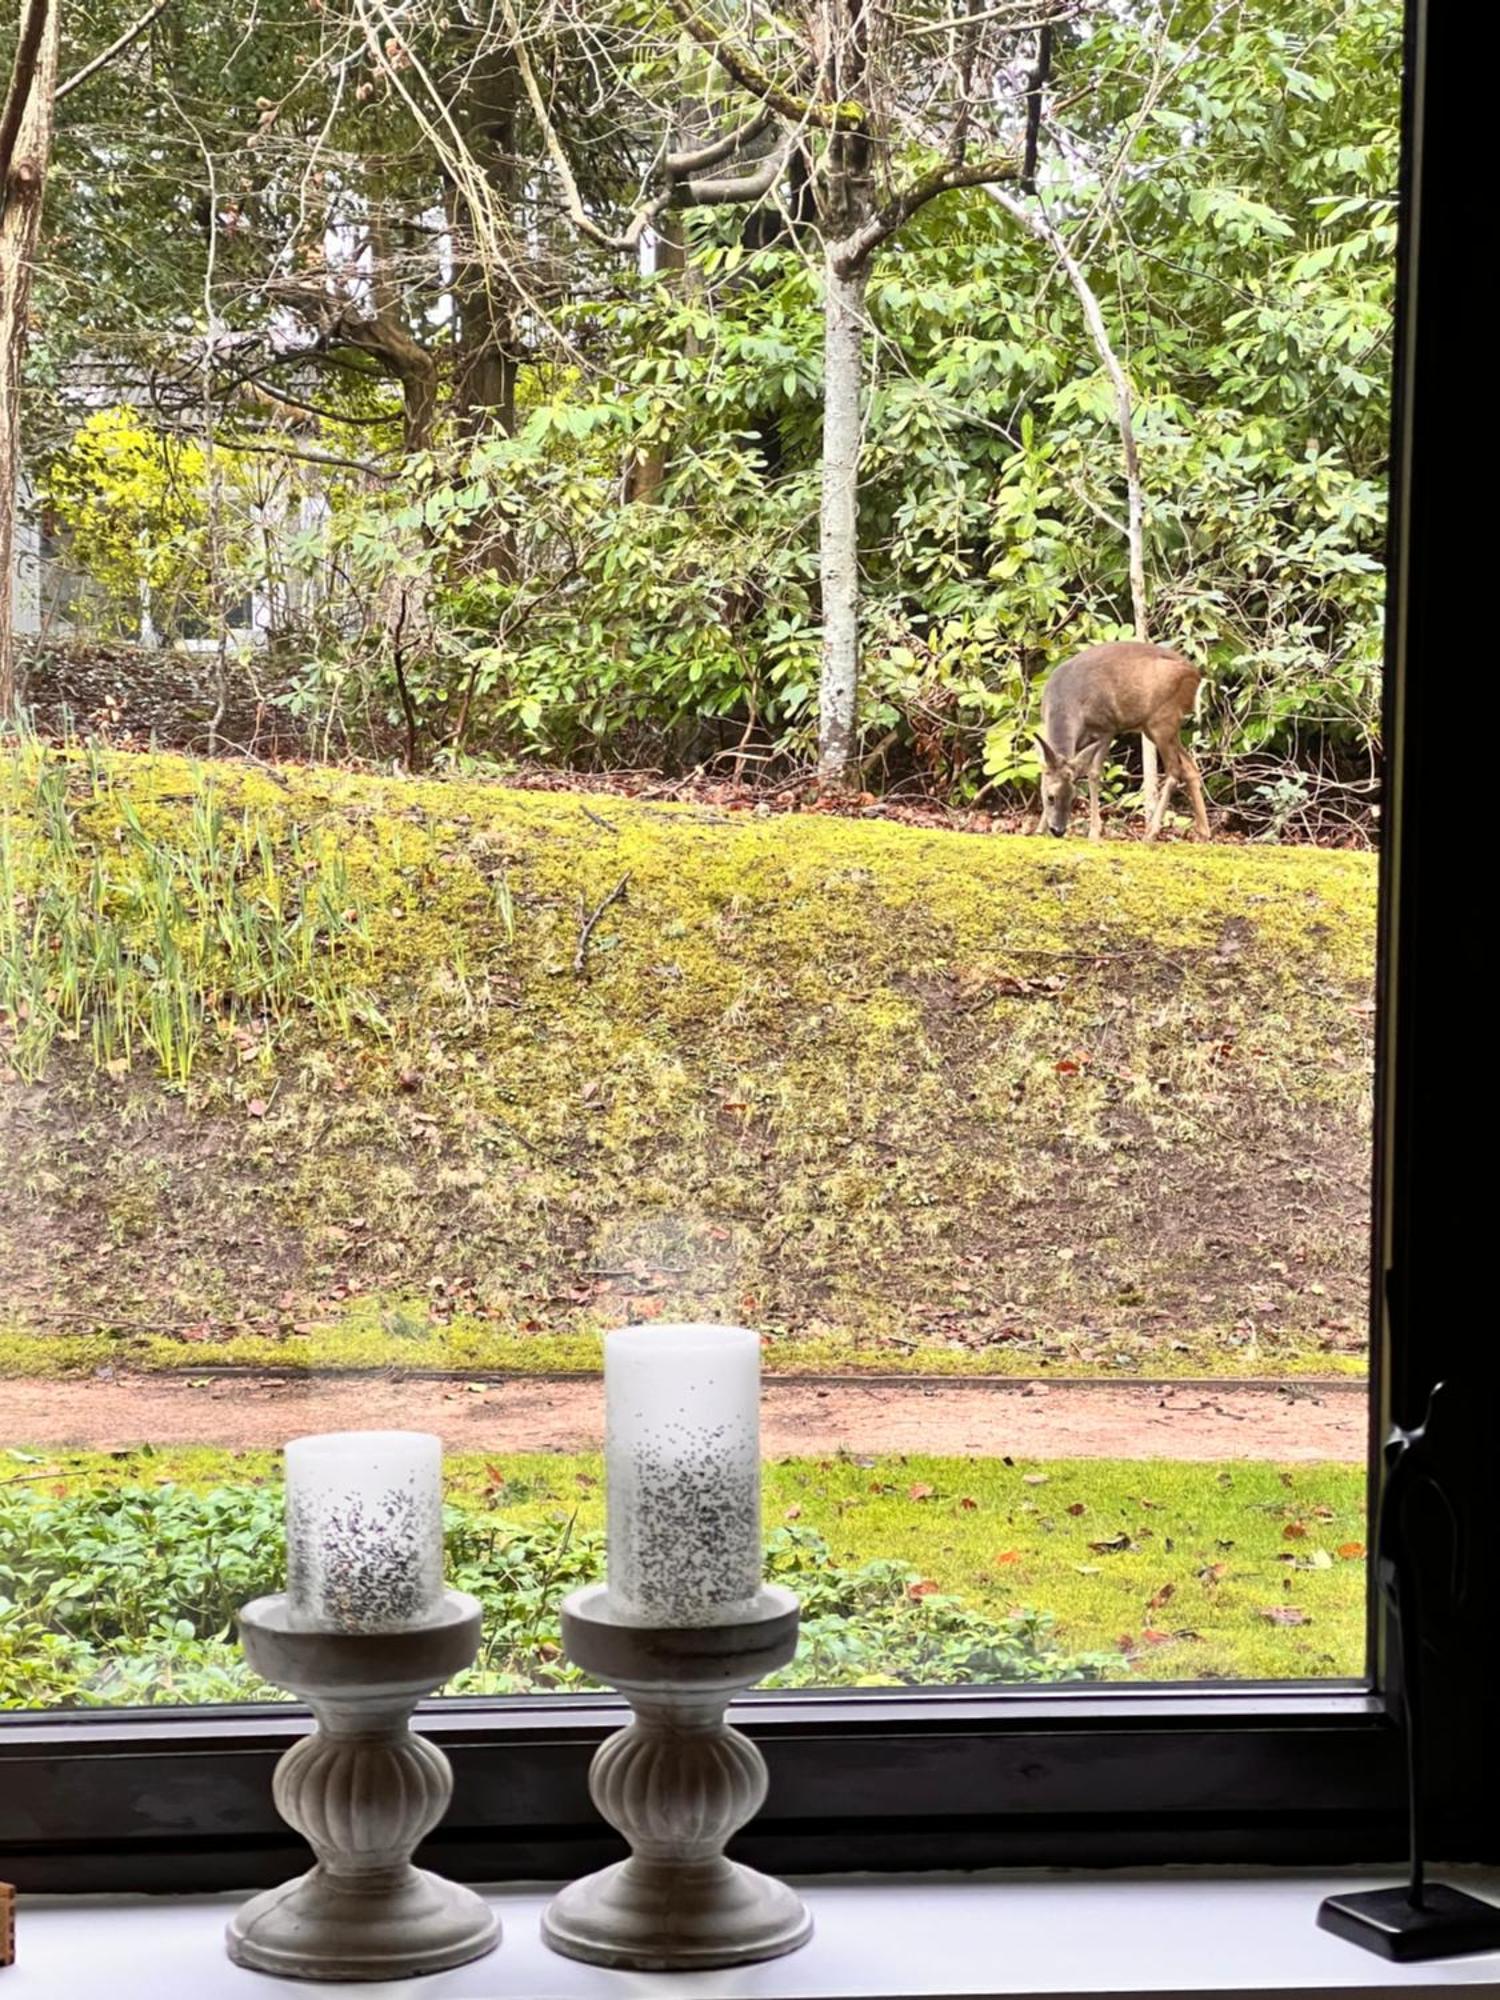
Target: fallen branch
588, 918
252, 757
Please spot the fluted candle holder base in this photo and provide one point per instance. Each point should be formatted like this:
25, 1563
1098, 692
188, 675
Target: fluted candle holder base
677, 1782
363, 1791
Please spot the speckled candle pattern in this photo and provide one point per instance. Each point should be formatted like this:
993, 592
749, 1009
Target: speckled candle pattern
683, 1474
364, 1532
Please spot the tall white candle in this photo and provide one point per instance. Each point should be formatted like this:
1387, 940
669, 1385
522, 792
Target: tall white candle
682, 1461
364, 1531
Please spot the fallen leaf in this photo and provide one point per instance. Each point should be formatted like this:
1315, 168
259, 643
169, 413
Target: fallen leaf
1077, 1508
1352, 1552
256, 1107
1160, 1597
793, 1513
1009, 1556
920, 1492
1035, 1478
1294, 1531
968, 1506
1283, 1614
924, 1589
1112, 1545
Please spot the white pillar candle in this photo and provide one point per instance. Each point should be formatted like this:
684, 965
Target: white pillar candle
682, 1464
364, 1531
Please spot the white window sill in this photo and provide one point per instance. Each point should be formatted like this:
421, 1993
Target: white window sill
1019, 1937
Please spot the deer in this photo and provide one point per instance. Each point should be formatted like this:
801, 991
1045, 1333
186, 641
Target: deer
1124, 688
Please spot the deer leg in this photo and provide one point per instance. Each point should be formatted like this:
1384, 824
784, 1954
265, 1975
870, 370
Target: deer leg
1195, 793
1148, 776
1096, 816
1169, 774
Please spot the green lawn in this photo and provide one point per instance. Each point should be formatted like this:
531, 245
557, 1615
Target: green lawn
1188, 1570
313, 1072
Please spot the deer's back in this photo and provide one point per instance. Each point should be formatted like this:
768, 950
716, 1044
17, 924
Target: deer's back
1117, 687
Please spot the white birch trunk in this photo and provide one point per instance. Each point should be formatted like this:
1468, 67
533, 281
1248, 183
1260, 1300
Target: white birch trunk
843, 370
20, 227
1045, 231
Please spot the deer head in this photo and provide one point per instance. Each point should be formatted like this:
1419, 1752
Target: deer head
1059, 776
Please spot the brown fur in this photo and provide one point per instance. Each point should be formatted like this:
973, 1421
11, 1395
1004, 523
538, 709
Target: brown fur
1125, 688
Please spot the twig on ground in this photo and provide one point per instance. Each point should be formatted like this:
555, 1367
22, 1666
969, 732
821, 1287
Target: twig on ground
599, 819
250, 757
587, 920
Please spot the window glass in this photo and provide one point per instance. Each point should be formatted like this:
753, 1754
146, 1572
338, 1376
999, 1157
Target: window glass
425, 942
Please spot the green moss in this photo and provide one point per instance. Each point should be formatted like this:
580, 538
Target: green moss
1190, 1557
906, 1099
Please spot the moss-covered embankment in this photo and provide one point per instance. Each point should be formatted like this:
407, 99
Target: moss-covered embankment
319, 1071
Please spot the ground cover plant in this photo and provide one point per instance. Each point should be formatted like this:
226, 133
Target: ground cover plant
120, 1573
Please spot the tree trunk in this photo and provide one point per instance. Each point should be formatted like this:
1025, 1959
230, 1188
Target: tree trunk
647, 470
843, 370
483, 289
23, 180
1038, 224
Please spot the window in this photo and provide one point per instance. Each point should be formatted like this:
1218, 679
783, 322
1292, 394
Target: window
955, 1778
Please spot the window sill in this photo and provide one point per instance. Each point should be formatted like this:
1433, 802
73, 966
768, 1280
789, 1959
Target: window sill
1021, 1937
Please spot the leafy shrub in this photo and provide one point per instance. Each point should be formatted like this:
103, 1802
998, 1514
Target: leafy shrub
129, 1598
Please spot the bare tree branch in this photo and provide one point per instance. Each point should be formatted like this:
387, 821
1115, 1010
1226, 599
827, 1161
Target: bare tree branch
106, 56
681, 165
738, 188
749, 75
578, 215
855, 249
1012, 23
361, 465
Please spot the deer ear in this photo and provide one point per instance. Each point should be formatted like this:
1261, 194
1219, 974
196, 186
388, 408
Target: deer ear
1049, 756
1085, 754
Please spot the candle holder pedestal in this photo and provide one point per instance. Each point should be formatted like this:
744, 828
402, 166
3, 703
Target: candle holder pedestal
363, 1791
677, 1782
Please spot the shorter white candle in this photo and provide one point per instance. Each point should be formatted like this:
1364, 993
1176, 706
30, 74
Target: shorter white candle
364, 1531
682, 1463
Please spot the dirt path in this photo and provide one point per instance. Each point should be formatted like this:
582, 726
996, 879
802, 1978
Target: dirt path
800, 1419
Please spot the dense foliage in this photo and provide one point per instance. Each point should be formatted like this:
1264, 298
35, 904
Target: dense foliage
129, 1597
616, 558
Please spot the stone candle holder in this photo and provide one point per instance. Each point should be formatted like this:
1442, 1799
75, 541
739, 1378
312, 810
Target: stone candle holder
677, 1782
363, 1790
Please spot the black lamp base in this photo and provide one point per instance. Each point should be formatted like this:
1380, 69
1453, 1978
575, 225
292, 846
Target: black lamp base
1384, 1921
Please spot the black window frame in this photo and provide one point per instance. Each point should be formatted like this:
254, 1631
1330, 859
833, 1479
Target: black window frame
1241, 1773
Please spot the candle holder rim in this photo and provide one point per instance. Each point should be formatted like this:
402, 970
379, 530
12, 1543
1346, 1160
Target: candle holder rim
591, 1605
631, 1655
417, 1657
269, 1614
